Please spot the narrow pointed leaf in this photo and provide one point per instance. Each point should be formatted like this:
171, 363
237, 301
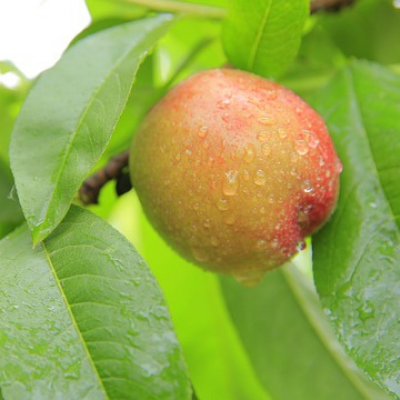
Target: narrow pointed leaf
289, 343
263, 36
82, 317
357, 255
69, 116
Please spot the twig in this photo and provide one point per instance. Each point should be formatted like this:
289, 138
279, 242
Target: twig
329, 5
90, 189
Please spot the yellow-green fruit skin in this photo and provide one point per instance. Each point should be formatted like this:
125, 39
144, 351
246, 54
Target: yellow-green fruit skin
234, 171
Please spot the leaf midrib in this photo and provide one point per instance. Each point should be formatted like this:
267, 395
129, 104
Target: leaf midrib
74, 323
259, 34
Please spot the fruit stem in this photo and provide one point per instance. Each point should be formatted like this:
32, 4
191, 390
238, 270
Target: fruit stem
114, 170
175, 6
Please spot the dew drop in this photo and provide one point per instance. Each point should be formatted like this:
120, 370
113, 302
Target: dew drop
266, 149
230, 219
301, 245
261, 244
311, 139
188, 152
307, 186
301, 147
200, 255
246, 175
230, 183
202, 132
294, 157
262, 136
260, 177
214, 241
271, 198
294, 172
282, 133
249, 153
223, 204
338, 167
265, 121
207, 223
274, 244
249, 278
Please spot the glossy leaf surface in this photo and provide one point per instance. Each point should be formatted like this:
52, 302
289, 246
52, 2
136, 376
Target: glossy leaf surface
263, 36
357, 255
69, 116
289, 341
82, 317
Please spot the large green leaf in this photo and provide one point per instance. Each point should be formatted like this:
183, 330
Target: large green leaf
289, 342
369, 30
357, 255
69, 115
263, 36
10, 211
82, 317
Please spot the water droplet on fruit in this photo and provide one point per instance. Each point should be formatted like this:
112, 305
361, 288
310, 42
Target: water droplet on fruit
200, 255
294, 172
261, 244
294, 157
260, 177
246, 175
274, 244
249, 153
311, 138
249, 278
338, 167
262, 136
223, 204
223, 104
265, 121
188, 152
230, 219
282, 133
230, 184
301, 245
301, 147
266, 149
203, 131
271, 198
307, 186
214, 241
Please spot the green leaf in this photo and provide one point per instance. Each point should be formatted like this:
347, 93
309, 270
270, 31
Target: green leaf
10, 211
69, 115
263, 36
367, 30
289, 342
357, 255
82, 317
